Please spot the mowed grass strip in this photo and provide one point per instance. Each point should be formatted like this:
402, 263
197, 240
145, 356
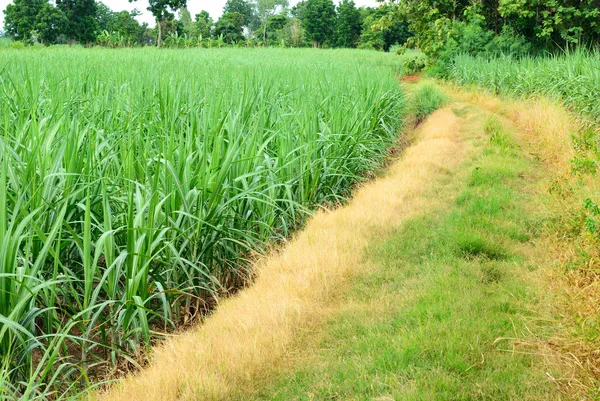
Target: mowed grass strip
445, 311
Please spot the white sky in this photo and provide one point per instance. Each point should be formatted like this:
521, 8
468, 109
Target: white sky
214, 7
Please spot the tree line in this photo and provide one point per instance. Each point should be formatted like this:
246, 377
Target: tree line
444, 28
316, 23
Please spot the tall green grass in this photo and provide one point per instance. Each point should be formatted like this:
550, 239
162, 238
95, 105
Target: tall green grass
425, 100
573, 78
135, 182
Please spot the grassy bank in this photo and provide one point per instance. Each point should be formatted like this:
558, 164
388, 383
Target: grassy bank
573, 78
135, 182
452, 304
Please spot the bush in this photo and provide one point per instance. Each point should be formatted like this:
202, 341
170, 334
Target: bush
427, 99
592, 222
413, 61
473, 39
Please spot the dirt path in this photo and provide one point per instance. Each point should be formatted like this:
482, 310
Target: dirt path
252, 336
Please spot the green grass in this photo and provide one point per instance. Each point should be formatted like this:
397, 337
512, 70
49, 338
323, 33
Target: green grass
5, 43
134, 182
573, 78
437, 316
426, 99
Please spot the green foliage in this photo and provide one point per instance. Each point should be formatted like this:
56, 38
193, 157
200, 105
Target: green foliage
246, 8
381, 29
445, 28
292, 33
163, 11
348, 26
5, 42
202, 26
550, 22
81, 15
592, 222
413, 61
371, 37
230, 28
276, 30
149, 188
51, 23
21, 17
119, 29
185, 17
572, 77
266, 9
319, 21
426, 99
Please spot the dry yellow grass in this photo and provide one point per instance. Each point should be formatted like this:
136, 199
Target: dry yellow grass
544, 125
250, 335
545, 129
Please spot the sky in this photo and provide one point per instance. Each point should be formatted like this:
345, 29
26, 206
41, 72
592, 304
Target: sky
214, 7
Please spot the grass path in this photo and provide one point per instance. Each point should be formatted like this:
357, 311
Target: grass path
447, 309
426, 286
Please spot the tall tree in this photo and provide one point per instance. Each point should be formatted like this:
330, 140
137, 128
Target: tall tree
267, 8
348, 26
319, 21
185, 17
230, 26
163, 11
126, 25
105, 17
202, 26
20, 18
50, 24
245, 8
298, 11
81, 14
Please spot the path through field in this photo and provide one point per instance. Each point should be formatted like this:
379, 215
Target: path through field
426, 286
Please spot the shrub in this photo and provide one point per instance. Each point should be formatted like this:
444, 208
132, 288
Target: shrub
413, 61
427, 99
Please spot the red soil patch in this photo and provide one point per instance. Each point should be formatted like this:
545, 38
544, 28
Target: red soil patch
411, 78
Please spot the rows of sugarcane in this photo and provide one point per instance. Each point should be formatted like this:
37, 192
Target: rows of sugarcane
572, 77
134, 183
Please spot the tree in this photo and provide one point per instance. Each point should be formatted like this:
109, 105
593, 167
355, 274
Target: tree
230, 26
274, 28
245, 8
163, 10
105, 17
551, 22
319, 21
299, 11
202, 26
81, 14
51, 22
371, 38
547, 24
348, 27
185, 17
20, 18
267, 8
127, 26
